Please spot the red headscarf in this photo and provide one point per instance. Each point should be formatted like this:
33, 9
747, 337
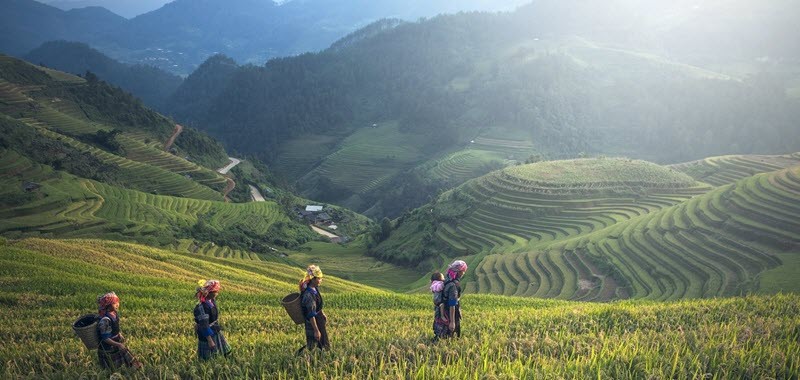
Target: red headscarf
206, 287
456, 267
106, 300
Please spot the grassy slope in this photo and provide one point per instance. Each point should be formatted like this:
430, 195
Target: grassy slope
511, 209
374, 334
59, 106
574, 242
68, 206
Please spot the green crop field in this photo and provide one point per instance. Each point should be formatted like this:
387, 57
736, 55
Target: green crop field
374, 334
733, 240
522, 206
68, 206
147, 166
368, 158
723, 170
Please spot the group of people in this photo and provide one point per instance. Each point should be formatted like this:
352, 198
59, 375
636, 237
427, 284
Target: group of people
112, 351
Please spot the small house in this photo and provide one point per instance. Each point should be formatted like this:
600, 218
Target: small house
313, 208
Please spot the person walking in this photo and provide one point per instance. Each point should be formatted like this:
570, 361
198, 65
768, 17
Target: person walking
440, 311
210, 339
451, 297
312, 305
112, 351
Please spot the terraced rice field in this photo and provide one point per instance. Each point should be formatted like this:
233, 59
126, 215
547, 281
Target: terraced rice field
298, 156
715, 244
527, 206
464, 165
368, 158
723, 170
67, 206
61, 117
512, 150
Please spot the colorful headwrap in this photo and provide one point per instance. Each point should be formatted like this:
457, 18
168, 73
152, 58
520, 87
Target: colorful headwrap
455, 267
311, 272
205, 287
106, 300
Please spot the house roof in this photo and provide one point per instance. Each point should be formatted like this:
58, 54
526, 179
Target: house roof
313, 208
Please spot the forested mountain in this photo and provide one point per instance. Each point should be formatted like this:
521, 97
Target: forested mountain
151, 84
180, 35
564, 77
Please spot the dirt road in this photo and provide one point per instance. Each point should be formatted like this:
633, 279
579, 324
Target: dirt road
322, 232
256, 195
175, 133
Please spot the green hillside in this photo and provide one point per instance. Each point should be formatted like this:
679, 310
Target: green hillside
374, 334
524, 206
724, 242
68, 206
99, 121
723, 170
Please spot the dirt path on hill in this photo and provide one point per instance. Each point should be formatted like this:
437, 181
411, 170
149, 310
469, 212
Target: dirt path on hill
322, 232
256, 195
175, 133
228, 188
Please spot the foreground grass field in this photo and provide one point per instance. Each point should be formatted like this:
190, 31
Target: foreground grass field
375, 334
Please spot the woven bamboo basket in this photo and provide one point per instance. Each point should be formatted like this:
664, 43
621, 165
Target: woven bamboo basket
86, 329
292, 305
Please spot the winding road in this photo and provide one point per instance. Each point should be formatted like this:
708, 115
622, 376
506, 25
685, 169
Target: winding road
231, 165
230, 183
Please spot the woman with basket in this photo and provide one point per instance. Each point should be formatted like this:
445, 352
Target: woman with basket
112, 351
311, 303
211, 341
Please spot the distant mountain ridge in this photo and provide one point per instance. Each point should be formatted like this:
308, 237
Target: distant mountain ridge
180, 35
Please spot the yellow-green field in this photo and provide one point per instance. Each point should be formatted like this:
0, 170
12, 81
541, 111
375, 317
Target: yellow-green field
375, 334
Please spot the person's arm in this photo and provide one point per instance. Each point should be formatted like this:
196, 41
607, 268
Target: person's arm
203, 327
105, 334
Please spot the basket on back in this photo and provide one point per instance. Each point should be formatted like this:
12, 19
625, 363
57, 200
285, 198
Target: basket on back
292, 305
86, 329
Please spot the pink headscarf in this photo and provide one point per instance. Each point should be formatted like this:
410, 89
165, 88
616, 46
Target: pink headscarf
106, 300
456, 267
206, 287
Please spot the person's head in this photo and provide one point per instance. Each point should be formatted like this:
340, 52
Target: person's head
208, 290
107, 303
437, 276
457, 269
312, 277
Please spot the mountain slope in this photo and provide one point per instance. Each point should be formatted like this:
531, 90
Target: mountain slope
461, 78
79, 158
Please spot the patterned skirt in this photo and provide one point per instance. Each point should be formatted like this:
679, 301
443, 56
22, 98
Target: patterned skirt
205, 352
